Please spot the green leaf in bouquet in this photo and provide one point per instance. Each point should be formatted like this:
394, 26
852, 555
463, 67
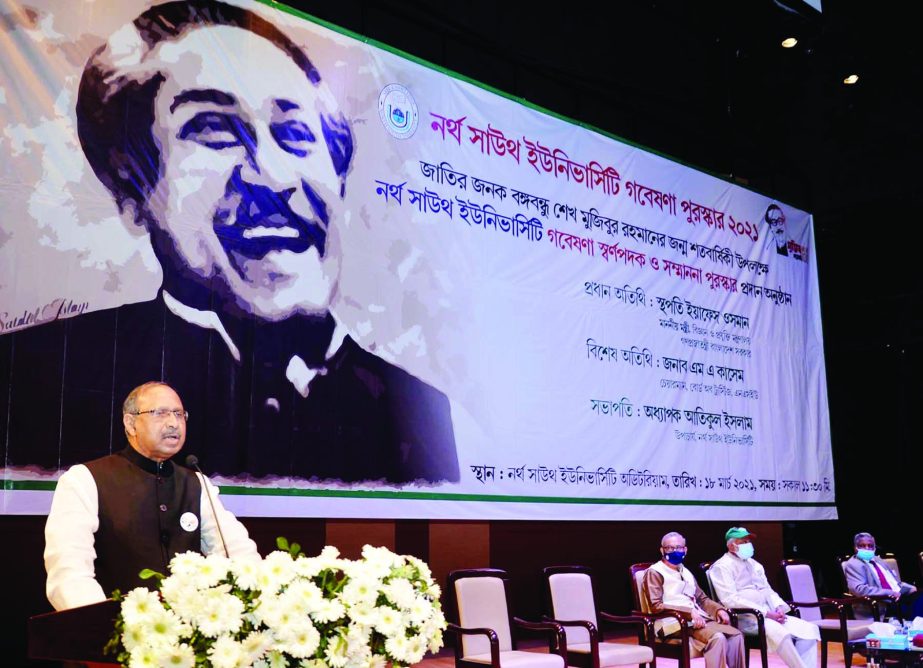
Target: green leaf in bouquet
147, 574
282, 543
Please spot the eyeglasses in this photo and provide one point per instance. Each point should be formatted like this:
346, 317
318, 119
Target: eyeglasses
673, 548
164, 413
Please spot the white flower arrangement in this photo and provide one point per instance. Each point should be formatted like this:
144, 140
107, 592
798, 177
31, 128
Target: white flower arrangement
284, 610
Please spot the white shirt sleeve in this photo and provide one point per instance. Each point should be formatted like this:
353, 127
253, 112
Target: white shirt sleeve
235, 534
70, 543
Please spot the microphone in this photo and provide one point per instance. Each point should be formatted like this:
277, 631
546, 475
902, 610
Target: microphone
193, 462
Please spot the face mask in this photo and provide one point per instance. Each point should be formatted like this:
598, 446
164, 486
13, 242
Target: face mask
675, 558
745, 550
865, 555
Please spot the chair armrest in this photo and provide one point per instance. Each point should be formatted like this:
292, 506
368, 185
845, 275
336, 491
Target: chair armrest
666, 614
585, 623
625, 619
558, 640
491, 637
760, 618
645, 621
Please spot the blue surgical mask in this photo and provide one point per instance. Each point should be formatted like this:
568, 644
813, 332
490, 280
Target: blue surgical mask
676, 558
865, 555
745, 550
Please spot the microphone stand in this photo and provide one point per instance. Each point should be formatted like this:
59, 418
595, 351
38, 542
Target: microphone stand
193, 462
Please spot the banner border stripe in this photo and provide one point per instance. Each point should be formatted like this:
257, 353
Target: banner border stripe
233, 490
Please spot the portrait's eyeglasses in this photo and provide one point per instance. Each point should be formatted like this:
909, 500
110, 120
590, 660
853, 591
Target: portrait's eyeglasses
164, 413
669, 548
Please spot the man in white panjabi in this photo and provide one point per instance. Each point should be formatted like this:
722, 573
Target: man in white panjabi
740, 582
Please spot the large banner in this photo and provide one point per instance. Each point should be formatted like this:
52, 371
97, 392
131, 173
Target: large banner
383, 291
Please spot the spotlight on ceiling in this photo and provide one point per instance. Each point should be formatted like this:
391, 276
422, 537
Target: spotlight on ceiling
851, 79
789, 42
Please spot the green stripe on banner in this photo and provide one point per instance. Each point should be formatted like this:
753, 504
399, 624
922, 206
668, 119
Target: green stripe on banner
34, 485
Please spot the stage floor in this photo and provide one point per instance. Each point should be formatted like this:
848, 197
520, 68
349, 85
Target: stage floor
445, 659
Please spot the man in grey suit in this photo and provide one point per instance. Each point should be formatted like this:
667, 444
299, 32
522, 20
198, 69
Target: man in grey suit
868, 575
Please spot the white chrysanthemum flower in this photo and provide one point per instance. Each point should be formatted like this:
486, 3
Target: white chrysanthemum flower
375, 661
179, 656
301, 641
389, 622
400, 592
308, 567
379, 561
142, 656
274, 659
329, 610
186, 564
434, 590
335, 654
265, 608
435, 640
364, 613
225, 653
278, 616
246, 573
397, 646
139, 605
329, 554
221, 613
361, 589
416, 648
357, 643
304, 596
134, 636
276, 571
425, 573
313, 663
185, 600
211, 570
164, 629
255, 645
419, 611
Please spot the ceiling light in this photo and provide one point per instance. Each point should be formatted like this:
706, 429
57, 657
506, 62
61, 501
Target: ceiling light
789, 42
851, 79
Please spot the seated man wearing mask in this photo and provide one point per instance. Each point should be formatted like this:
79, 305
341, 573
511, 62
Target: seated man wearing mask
740, 582
868, 575
668, 586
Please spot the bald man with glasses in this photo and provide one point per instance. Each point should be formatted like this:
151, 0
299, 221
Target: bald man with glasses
115, 516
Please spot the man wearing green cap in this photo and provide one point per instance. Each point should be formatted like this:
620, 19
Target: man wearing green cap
740, 582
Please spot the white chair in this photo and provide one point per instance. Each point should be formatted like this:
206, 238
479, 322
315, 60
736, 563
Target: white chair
483, 633
672, 647
850, 632
572, 604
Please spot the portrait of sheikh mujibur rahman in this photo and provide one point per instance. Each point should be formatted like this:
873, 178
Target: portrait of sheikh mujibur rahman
215, 133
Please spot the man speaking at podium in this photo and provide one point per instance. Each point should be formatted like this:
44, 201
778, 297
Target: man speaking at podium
115, 516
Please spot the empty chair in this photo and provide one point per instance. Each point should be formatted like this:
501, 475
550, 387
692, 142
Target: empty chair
483, 633
799, 576
571, 602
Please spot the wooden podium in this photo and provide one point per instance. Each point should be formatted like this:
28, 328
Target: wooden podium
78, 634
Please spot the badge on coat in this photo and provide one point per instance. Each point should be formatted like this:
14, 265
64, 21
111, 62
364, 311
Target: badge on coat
189, 521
